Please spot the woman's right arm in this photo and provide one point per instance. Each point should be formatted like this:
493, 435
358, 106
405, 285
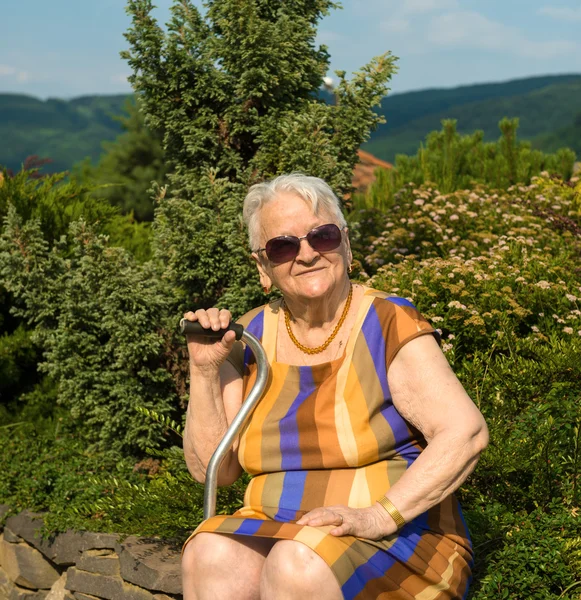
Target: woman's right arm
215, 398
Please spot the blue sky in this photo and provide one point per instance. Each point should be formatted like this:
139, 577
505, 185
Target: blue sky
67, 48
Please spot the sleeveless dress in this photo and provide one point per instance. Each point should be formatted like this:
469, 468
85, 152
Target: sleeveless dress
329, 434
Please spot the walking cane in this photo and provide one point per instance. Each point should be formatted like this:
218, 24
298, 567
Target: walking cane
245, 411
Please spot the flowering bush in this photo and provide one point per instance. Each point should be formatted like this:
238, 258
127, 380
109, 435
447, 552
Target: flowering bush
499, 275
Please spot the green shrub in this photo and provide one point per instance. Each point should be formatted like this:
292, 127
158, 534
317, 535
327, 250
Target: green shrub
451, 162
99, 317
499, 275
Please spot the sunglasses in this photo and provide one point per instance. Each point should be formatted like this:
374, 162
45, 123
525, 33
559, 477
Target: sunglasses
284, 248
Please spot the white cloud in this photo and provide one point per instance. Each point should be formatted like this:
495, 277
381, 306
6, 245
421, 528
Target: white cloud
395, 25
468, 29
563, 13
8, 71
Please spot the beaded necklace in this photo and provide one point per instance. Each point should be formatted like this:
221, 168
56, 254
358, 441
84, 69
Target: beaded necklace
324, 345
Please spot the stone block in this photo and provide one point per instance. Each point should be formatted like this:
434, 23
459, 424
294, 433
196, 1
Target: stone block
62, 549
10, 536
151, 564
58, 590
105, 562
18, 593
104, 586
79, 596
27, 567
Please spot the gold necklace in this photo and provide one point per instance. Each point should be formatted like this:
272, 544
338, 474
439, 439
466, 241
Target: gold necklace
323, 346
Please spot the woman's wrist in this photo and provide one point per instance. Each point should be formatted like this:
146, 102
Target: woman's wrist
390, 509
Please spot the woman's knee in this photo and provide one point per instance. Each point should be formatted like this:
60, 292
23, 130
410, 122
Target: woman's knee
204, 552
294, 566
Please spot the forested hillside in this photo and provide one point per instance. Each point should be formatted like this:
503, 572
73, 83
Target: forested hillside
543, 105
68, 131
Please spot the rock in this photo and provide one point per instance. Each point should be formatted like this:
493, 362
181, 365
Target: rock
26, 566
10, 536
58, 590
62, 549
105, 562
18, 593
151, 564
79, 596
104, 586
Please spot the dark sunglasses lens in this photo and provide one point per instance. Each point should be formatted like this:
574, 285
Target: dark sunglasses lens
325, 238
282, 249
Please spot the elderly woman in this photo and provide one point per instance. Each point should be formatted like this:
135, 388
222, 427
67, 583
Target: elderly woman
359, 441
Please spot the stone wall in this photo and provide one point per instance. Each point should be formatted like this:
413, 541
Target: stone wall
83, 566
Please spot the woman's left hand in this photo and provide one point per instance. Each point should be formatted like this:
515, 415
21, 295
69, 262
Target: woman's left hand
371, 523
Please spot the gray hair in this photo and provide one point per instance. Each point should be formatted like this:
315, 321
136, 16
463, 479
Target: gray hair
311, 189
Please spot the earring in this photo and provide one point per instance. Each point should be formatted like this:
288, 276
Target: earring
350, 268
265, 289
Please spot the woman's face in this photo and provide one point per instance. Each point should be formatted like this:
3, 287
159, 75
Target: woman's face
311, 274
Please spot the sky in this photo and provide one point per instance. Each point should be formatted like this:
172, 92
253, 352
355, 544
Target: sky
70, 48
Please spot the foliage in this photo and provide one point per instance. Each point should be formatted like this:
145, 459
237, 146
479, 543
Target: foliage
96, 314
498, 273
237, 102
452, 162
51, 470
128, 166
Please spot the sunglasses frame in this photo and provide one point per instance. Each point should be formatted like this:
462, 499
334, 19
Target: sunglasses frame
298, 241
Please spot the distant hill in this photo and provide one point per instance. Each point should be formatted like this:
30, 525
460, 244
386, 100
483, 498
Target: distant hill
544, 105
67, 131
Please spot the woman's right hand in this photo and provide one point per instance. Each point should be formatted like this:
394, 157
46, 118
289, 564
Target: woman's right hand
209, 353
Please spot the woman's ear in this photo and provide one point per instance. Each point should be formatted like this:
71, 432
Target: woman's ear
265, 279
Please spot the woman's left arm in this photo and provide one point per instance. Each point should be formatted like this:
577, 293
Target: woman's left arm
427, 393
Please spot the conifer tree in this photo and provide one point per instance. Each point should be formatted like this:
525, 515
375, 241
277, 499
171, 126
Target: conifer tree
235, 93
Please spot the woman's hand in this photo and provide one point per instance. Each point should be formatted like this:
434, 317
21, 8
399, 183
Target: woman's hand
209, 353
371, 523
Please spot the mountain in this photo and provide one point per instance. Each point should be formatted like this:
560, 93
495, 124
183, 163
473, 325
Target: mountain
544, 105
67, 131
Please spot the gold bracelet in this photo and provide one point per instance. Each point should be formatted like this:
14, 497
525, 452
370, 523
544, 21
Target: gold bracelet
392, 510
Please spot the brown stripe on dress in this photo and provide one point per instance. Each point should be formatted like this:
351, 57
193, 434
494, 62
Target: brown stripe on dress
309, 429
371, 388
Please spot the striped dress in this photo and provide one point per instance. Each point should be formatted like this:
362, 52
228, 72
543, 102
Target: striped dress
329, 434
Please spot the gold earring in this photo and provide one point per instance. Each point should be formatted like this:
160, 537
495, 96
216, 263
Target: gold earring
350, 269
265, 289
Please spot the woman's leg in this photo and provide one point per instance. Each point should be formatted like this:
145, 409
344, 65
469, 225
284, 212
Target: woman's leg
222, 566
292, 570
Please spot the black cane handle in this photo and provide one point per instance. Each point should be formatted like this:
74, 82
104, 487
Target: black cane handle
194, 328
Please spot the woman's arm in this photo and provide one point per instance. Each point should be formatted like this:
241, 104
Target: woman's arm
215, 398
428, 395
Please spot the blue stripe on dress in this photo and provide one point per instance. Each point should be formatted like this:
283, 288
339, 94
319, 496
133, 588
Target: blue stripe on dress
378, 565
256, 328
291, 458
249, 526
293, 489
401, 301
373, 334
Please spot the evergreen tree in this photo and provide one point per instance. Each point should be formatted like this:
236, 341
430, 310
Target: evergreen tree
235, 94
129, 165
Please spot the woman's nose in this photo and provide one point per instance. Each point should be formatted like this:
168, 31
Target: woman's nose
306, 252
